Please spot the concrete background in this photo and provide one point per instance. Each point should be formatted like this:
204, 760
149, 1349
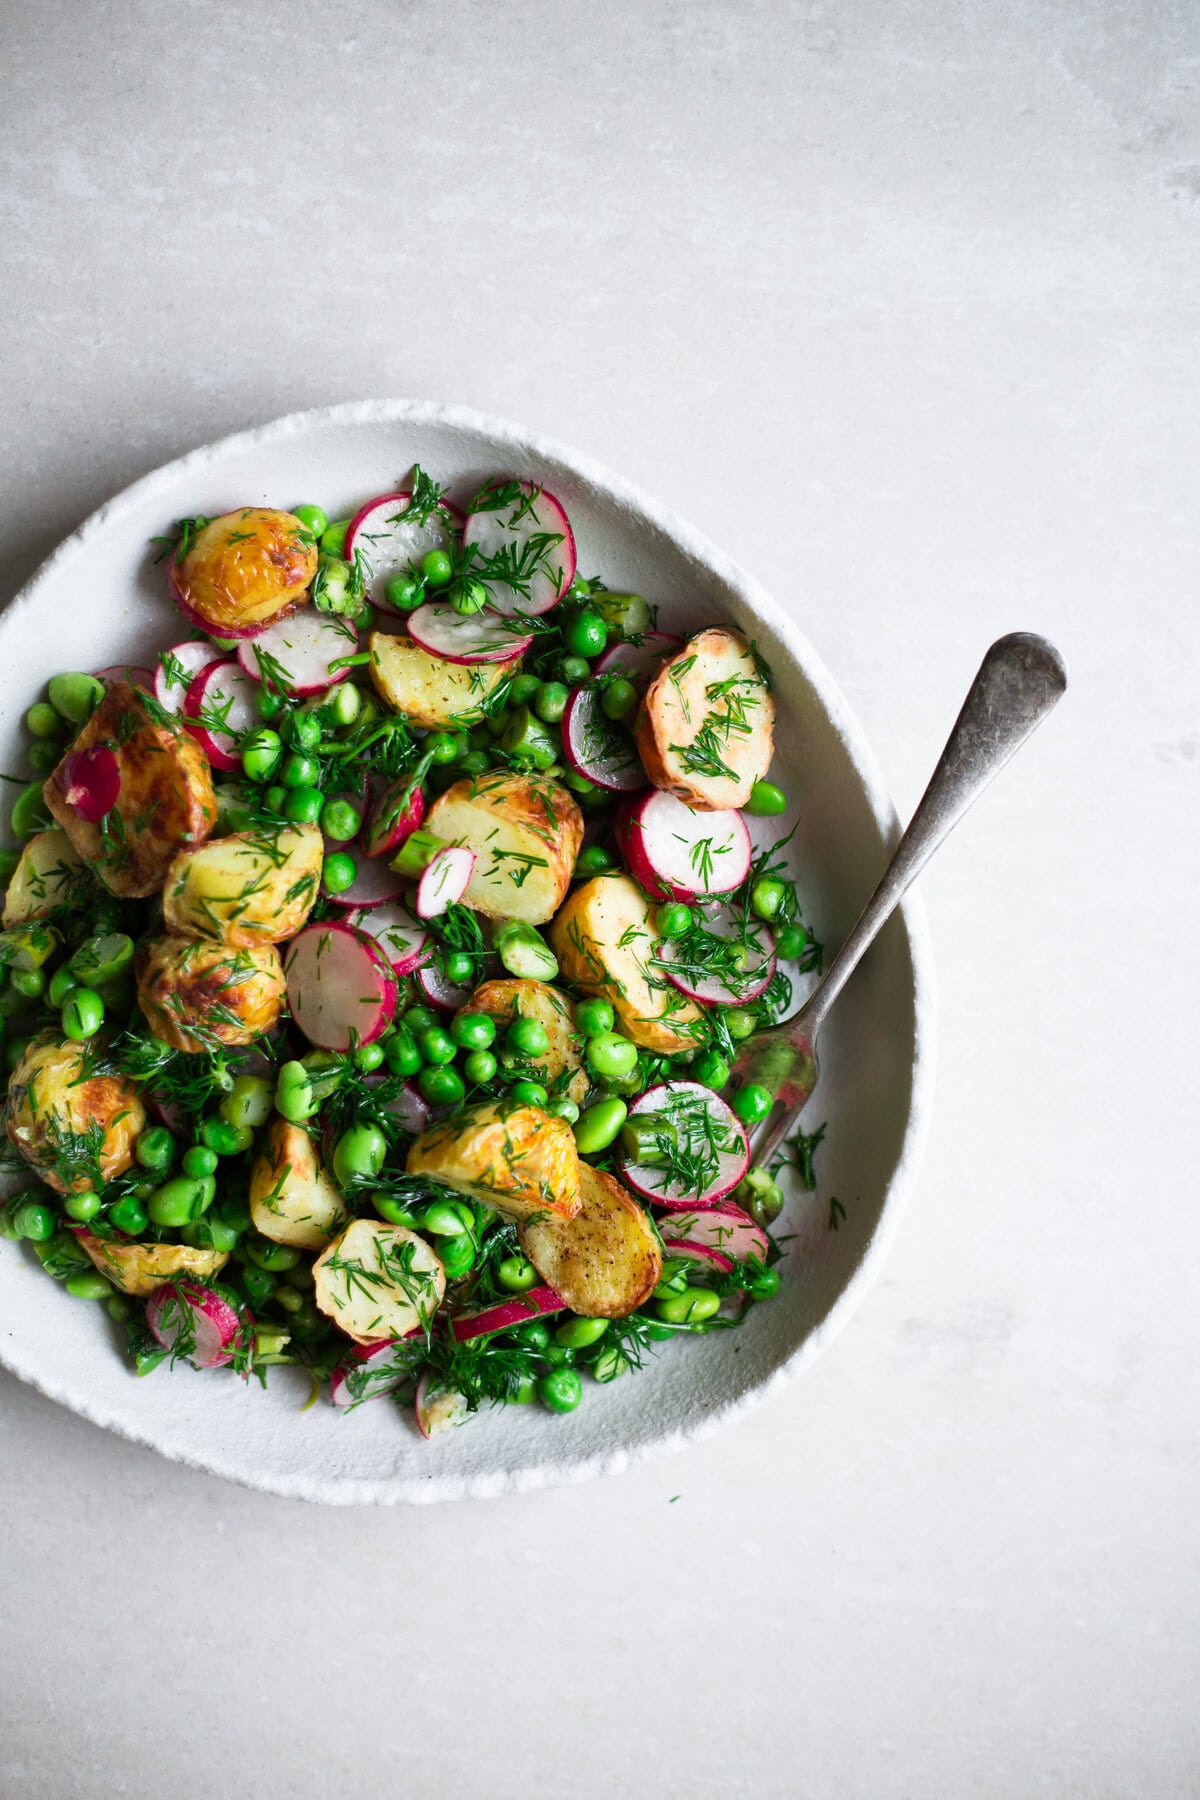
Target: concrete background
899, 302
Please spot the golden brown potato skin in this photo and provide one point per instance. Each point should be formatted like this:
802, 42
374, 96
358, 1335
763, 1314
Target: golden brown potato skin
427, 689
714, 686
61, 1093
523, 999
248, 889
248, 567
604, 941
513, 1157
293, 1200
605, 1261
166, 800
525, 831
140, 1268
198, 995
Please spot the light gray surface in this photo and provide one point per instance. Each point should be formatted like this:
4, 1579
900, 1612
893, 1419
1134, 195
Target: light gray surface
900, 304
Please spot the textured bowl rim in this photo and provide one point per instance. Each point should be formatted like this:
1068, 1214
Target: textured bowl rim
448, 1485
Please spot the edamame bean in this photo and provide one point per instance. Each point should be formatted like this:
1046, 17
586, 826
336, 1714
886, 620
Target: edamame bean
176, 1202
595, 1018
30, 814
515, 1275
672, 1284
344, 704
265, 1253
609, 1364
527, 1037
82, 1014
359, 1153
156, 1150
313, 519
224, 1138
612, 1056
442, 1086
443, 1219
294, 1096
473, 1031
563, 1107
596, 1128
210, 1233
248, 1102
394, 1211
766, 800
42, 757
692, 1308
560, 1390
457, 1255
75, 696
235, 1212
752, 1103
480, 1067
577, 1334
88, 1284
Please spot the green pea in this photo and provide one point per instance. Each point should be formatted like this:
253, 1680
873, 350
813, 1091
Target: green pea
673, 920
199, 1162
612, 1056
176, 1202
82, 1207
524, 1394
129, 1216
473, 1031
394, 1211
550, 701
791, 942
261, 753
457, 1256
401, 1053
470, 597
156, 1150
88, 1284
235, 1212
8, 865
515, 1275
752, 1103
267, 703
42, 757
437, 568
210, 1233
42, 721
562, 1107
594, 860
75, 696
29, 983
303, 805
459, 966
333, 538
359, 1154
275, 801
710, 1068
691, 1308
609, 1364
313, 518
577, 1334
442, 1086
526, 737
368, 1058
248, 1102
29, 813
480, 1067
404, 592
586, 634
224, 1138
619, 700
340, 820
596, 1129
595, 1018
529, 1093
35, 1221
766, 800
436, 1045
443, 1219
763, 1204
536, 1334
527, 1037
299, 771
740, 1022
417, 1018
560, 1390
767, 896
259, 1284
339, 872
265, 1253
288, 1298
82, 1014
764, 1285
574, 669
443, 746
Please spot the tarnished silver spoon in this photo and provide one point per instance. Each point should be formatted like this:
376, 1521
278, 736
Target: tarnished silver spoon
1019, 680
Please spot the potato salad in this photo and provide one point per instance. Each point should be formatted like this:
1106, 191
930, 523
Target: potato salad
373, 965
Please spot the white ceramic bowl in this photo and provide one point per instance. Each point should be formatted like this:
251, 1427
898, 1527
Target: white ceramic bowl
101, 600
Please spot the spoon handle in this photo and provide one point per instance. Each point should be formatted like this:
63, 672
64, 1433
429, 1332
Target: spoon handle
1020, 679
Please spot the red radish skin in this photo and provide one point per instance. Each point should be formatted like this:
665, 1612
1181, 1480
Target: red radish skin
725, 990
387, 548
136, 677
388, 828
189, 1311
445, 995
677, 854
199, 621
404, 942
177, 668
437, 1409
93, 783
493, 531
371, 1370
480, 637
596, 747
687, 1251
538, 1303
306, 645
444, 882
679, 1100
340, 986
226, 693
639, 661
410, 1109
376, 884
724, 1228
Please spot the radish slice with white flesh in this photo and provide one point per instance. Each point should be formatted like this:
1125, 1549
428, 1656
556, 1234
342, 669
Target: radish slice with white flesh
374, 885
93, 782
537, 1303
597, 747
444, 881
220, 708
371, 1370
135, 677
524, 530
476, 637
703, 1148
678, 854
177, 668
685, 1250
686, 961
299, 654
193, 1321
638, 661
726, 1229
438, 1409
405, 943
389, 544
392, 818
340, 986
446, 995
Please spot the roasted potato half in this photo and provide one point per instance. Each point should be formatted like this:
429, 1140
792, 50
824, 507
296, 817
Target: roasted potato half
604, 940
513, 1157
197, 995
140, 1268
706, 727
514, 999
378, 1281
246, 568
525, 831
292, 1198
50, 871
256, 887
605, 1261
429, 690
165, 801
71, 1114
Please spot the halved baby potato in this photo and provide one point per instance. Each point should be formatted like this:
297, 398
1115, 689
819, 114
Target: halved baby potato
256, 887
706, 727
604, 940
246, 568
519, 999
292, 1198
378, 1281
516, 1158
50, 871
605, 1262
140, 1268
71, 1114
525, 831
427, 689
197, 995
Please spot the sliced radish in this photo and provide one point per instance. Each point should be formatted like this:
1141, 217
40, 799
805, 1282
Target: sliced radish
438, 1409
375, 885
405, 943
370, 1370
340, 986
731, 987
220, 708
456, 637
177, 668
685, 1250
136, 677
306, 646
531, 533
392, 818
193, 1321
444, 881
390, 545
448, 996
536, 1304
677, 854
708, 1138
638, 661
726, 1229
93, 782
598, 748
410, 1109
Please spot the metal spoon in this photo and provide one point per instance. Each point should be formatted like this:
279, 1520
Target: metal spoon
1019, 680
